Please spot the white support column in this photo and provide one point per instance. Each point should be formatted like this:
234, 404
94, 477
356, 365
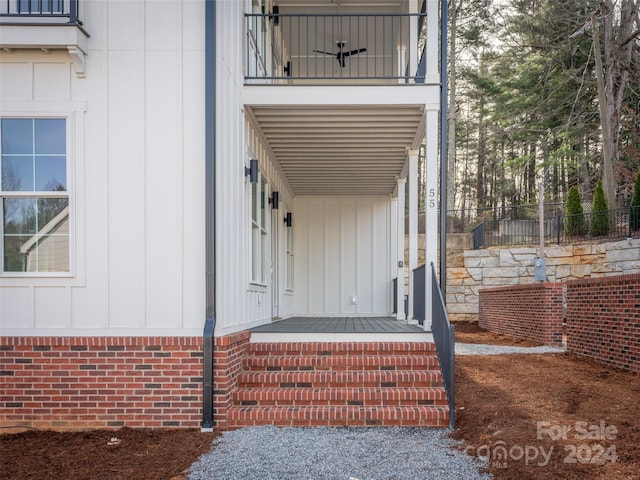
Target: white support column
413, 226
433, 33
402, 53
431, 216
413, 40
400, 286
393, 244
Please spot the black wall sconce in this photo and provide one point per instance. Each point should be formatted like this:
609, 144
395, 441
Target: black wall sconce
287, 69
274, 200
252, 171
288, 220
276, 15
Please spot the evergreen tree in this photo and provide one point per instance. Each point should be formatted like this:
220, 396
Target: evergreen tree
599, 212
635, 205
575, 214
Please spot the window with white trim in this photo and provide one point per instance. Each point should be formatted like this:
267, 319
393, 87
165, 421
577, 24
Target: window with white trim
259, 231
35, 230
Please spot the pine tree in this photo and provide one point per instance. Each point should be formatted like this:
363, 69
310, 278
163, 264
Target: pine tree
635, 205
599, 212
575, 214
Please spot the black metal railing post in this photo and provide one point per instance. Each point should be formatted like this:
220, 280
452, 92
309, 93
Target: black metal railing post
73, 12
444, 334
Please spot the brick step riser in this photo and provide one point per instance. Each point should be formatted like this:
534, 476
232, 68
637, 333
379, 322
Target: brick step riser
376, 349
288, 362
309, 416
359, 378
340, 394
254, 397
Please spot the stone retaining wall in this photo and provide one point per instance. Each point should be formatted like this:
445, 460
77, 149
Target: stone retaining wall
495, 267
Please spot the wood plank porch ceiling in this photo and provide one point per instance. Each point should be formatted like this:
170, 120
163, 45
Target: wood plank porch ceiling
341, 150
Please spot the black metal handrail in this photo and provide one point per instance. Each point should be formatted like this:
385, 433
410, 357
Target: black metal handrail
620, 223
40, 9
444, 335
281, 47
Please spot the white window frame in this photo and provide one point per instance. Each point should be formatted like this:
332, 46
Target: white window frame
258, 231
73, 113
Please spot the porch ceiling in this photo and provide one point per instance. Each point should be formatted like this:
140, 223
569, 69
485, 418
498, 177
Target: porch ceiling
341, 150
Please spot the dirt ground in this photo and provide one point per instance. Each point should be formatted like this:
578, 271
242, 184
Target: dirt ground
554, 415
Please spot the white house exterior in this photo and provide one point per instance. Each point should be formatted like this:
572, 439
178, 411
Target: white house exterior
133, 125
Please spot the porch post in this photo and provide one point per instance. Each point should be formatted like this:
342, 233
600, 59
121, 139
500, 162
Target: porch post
431, 209
433, 29
413, 227
413, 42
400, 315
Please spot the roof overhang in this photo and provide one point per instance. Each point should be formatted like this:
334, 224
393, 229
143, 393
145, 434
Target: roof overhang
341, 140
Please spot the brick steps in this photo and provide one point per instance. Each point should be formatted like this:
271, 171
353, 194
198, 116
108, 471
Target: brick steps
339, 384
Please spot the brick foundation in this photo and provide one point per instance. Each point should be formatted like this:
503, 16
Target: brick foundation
529, 312
603, 320
67, 383
229, 352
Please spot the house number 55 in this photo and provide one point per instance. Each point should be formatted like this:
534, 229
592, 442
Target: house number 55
432, 197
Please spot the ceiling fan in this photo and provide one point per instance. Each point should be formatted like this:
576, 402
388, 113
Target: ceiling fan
341, 55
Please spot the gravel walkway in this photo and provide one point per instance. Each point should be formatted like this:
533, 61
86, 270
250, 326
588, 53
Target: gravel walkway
476, 349
270, 453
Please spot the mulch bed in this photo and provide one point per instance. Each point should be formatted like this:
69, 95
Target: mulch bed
140, 454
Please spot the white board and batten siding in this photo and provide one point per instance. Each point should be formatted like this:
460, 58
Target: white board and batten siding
342, 256
136, 174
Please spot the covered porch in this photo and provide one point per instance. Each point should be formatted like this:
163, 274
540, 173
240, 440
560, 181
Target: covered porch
349, 155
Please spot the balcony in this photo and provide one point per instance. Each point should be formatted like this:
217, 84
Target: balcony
46, 25
317, 48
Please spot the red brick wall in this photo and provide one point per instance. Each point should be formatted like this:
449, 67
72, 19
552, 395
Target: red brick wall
66, 383
603, 320
531, 312
229, 351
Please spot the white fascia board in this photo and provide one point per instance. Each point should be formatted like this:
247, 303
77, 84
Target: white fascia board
365, 95
43, 36
102, 332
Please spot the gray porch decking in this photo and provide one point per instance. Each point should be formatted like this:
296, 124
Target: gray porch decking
337, 325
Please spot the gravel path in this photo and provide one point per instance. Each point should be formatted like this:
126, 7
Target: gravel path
476, 349
270, 453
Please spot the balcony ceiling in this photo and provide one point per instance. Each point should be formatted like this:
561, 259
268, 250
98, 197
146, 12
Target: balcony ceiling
341, 150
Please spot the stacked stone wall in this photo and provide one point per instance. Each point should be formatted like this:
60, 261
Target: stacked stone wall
497, 267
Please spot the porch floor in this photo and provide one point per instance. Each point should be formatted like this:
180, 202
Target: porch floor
339, 328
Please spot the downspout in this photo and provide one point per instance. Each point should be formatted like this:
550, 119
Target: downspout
210, 213
443, 147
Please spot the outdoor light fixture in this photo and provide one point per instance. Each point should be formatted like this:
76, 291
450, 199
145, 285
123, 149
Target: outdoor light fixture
288, 221
274, 200
287, 69
252, 170
275, 16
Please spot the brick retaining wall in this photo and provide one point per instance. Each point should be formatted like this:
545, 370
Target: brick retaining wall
603, 320
66, 383
530, 312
